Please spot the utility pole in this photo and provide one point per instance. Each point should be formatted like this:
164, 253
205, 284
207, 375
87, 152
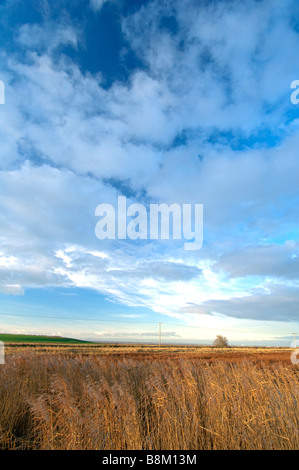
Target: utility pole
159, 334
294, 334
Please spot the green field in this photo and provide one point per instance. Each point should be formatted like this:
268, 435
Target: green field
8, 338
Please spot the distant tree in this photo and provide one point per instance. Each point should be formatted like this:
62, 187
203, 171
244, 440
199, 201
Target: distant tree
221, 342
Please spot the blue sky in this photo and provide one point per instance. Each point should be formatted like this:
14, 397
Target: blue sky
182, 102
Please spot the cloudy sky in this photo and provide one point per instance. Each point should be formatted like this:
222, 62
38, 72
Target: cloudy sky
182, 101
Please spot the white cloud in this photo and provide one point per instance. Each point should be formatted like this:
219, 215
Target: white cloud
98, 4
280, 305
68, 143
36, 37
11, 289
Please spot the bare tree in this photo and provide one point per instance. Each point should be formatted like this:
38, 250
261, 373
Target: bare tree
221, 342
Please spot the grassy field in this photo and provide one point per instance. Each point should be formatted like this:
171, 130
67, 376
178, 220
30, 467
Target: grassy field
9, 338
146, 352
126, 397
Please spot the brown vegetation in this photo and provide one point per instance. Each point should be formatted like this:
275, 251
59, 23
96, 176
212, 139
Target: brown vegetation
149, 352
75, 401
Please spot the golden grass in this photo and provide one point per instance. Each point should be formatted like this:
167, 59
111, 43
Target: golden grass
73, 401
150, 351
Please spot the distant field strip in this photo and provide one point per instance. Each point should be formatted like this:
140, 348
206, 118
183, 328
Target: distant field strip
148, 352
7, 338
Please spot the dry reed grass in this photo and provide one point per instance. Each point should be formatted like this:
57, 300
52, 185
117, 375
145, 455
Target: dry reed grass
108, 403
149, 352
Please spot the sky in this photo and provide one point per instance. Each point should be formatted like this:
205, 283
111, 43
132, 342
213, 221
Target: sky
174, 102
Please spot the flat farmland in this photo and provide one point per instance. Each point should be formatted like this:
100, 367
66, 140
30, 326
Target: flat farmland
149, 352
